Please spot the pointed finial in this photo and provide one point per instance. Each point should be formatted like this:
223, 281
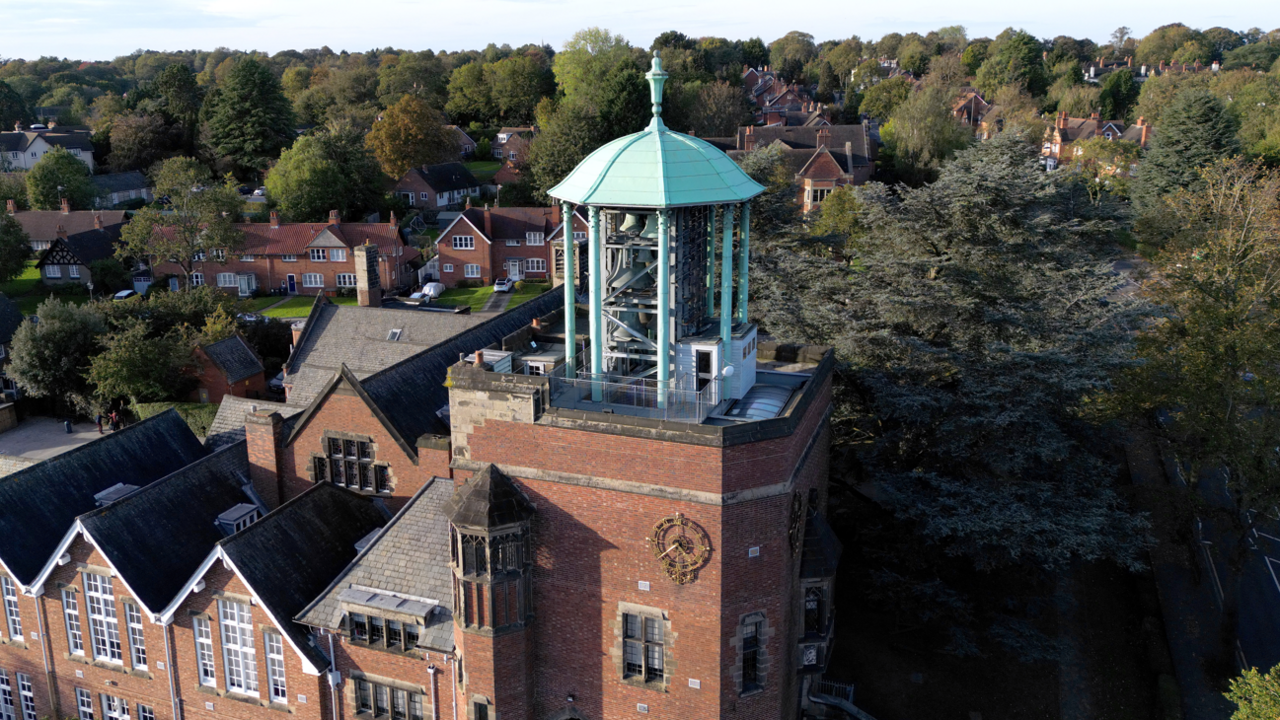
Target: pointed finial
656, 78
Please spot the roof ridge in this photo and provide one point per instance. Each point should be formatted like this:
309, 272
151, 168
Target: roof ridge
157, 484
93, 443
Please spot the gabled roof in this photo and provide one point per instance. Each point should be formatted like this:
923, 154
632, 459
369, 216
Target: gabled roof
156, 537
357, 337
228, 424
463, 137
507, 223
234, 358
446, 177
296, 238
11, 318
410, 556
88, 246
20, 141
43, 224
42, 501
488, 500
290, 556
121, 182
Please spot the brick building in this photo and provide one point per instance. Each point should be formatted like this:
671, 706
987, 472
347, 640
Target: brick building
45, 226
68, 258
301, 258
228, 367
821, 157
495, 526
483, 244
1058, 150
438, 187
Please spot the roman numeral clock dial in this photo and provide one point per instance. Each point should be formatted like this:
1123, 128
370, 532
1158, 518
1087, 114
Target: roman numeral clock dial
681, 546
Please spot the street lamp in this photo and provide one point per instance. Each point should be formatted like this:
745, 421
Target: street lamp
90, 286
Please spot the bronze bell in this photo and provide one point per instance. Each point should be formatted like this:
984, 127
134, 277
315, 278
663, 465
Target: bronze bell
632, 224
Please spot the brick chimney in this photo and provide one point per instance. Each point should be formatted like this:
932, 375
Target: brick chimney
824, 137
66, 206
262, 440
62, 231
97, 221
368, 284
333, 217
296, 329
392, 222
1142, 141
11, 206
275, 219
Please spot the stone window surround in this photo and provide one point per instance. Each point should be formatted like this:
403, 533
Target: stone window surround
669, 665
762, 654
339, 435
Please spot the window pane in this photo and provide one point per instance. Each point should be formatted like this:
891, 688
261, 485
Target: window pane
631, 653
364, 697
381, 704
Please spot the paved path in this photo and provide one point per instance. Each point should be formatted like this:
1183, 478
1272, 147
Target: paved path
1192, 612
40, 438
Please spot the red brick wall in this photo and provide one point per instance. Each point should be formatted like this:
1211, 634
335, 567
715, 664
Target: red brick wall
24, 655
592, 550
149, 687
406, 668
271, 271
215, 384
479, 256
348, 413
194, 696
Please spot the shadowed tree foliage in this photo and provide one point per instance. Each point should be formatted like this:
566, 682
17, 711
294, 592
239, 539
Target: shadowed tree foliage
330, 170
15, 248
1194, 131
973, 329
247, 119
49, 358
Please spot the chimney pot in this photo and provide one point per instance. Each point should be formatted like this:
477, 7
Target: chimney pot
333, 217
66, 206
392, 222
97, 221
11, 206
275, 219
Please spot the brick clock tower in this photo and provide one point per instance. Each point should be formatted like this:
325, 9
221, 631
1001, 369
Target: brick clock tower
638, 519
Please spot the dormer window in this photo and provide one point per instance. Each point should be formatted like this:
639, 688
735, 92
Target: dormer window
534, 238
350, 463
220, 255
114, 493
238, 518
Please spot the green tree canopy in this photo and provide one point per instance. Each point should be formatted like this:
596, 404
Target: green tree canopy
965, 366
568, 133
1161, 44
518, 84
418, 73
789, 54
330, 170
410, 134
1256, 695
136, 365
922, 133
247, 118
1194, 131
1119, 94
199, 219
57, 175
140, 141
1158, 93
50, 358
470, 94
12, 108
880, 100
1013, 59
13, 187
975, 54
586, 60
720, 108
15, 247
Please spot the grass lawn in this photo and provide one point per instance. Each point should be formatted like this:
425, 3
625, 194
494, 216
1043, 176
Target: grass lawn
24, 283
475, 297
527, 293
484, 170
294, 307
259, 304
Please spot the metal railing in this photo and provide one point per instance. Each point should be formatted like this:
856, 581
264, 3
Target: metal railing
677, 399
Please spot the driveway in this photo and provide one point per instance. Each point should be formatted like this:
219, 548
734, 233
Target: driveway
40, 438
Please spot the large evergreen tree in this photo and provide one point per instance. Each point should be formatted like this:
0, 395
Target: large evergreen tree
1194, 131
973, 329
12, 108
247, 119
1119, 93
1015, 58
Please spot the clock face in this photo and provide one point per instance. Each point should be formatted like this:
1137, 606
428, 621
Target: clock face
682, 546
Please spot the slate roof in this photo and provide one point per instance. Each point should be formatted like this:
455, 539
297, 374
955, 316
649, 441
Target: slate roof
121, 182
41, 502
43, 224
157, 537
291, 555
411, 392
409, 556
296, 238
228, 424
446, 177
510, 223
488, 500
849, 144
10, 318
234, 358
19, 141
88, 246
357, 336
822, 549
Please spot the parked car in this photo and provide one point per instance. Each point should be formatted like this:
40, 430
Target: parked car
433, 289
277, 383
504, 285
260, 191
123, 295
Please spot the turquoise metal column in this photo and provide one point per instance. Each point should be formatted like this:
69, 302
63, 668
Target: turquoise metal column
570, 294
594, 250
664, 307
711, 263
726, 296
744, 263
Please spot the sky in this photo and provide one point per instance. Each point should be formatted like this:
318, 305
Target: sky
104, 29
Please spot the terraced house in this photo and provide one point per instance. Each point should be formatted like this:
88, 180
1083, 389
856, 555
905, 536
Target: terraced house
302, 258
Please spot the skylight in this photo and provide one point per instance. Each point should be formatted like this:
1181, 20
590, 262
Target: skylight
394, 335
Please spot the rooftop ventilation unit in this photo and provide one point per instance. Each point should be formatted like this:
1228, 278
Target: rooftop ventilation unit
114, 493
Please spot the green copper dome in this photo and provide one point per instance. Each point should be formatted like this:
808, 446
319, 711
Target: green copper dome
657, 168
